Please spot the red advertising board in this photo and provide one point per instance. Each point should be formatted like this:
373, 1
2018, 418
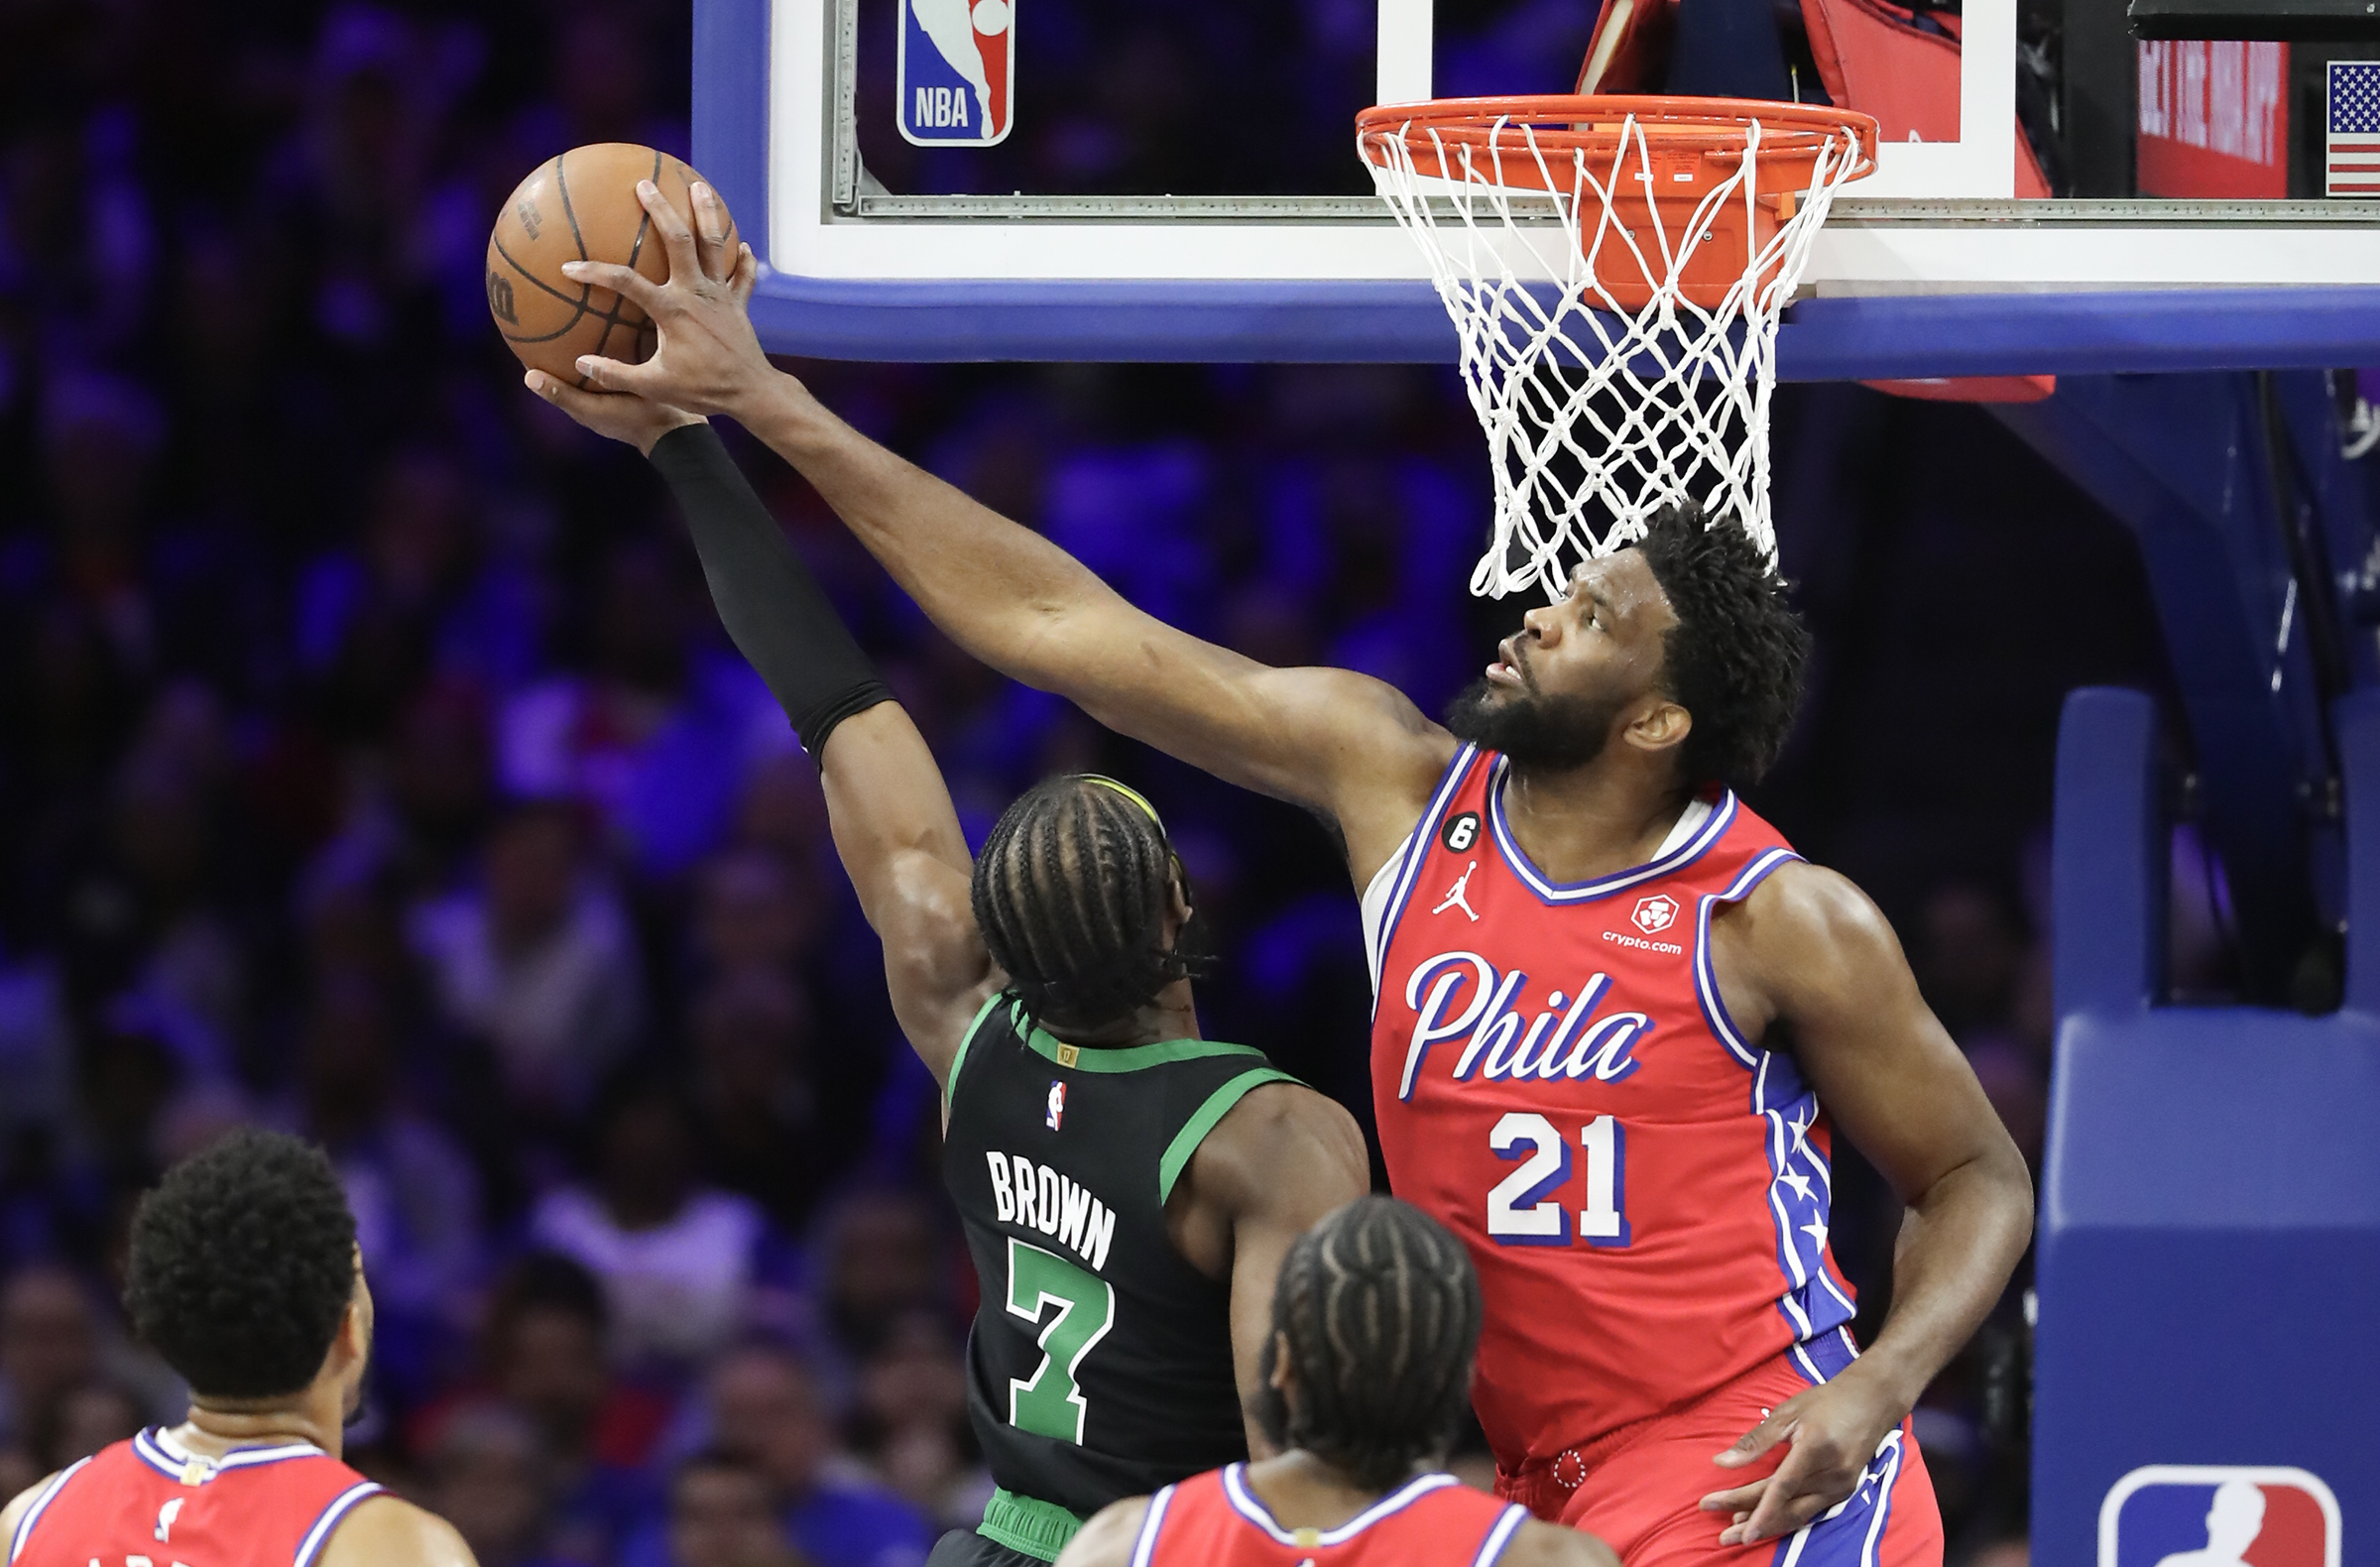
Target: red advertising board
2213, 118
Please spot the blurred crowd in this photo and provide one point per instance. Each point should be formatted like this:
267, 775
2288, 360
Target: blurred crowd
372, 766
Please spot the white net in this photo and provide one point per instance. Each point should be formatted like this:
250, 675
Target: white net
1597, 414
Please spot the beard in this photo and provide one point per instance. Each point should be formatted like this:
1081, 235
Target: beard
1533, 729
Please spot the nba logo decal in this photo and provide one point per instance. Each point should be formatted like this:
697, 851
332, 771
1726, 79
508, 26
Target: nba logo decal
1057, 1106
957, 60
2217, 1515
1655, 912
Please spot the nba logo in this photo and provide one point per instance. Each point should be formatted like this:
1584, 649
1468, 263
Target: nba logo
1057, 1106
957, 59
2218, 1516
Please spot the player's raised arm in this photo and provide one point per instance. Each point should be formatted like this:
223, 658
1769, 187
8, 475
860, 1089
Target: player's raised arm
890, 812
1339, 742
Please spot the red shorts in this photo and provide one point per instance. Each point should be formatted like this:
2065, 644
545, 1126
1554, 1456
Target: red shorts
1639, 1489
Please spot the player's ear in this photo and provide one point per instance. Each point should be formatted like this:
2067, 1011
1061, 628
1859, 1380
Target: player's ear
1279, 1373
1661, 726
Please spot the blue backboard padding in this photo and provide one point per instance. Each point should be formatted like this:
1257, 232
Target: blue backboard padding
2213, 1117
1398, 322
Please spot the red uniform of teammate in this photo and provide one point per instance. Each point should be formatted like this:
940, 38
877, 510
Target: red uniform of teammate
1645, 1193
1215, 1520
147, 1501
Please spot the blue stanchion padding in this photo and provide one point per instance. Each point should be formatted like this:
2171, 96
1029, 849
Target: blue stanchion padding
2210, 1249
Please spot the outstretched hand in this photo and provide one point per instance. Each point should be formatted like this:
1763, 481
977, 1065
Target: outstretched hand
709, 357
1833, 1432
618, 416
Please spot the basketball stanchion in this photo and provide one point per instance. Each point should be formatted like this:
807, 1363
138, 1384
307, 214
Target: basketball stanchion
1616, 268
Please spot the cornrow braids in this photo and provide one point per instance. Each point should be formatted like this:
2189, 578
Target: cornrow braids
1071, 891
1380, 1311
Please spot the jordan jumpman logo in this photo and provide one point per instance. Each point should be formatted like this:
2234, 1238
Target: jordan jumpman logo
1455, 897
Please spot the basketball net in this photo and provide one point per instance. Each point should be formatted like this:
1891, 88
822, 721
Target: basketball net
1620, 352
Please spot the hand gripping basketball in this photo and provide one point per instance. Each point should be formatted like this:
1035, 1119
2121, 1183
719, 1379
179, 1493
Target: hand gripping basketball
709, 358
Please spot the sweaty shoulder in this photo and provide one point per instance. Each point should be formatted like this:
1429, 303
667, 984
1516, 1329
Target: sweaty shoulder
387, 1531
1374, 755
1284, 1144
14, 1514
1807, 938
1539, 1545
1108, 1540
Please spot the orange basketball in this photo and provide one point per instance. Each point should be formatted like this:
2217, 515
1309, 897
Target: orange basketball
581, 207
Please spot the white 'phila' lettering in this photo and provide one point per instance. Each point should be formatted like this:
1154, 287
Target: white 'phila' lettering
1463, 996
1034, 1196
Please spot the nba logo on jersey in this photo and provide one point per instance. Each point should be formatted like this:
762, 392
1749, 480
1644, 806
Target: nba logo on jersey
1057, 1106
957, 59
2215, 1515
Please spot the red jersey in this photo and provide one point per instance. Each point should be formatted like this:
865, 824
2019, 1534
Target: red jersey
1216, 1519
147, 1503
1642, 1188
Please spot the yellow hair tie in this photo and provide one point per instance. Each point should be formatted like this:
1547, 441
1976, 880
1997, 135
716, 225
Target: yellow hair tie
1129, 792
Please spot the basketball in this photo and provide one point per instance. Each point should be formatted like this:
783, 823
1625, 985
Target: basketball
581, 206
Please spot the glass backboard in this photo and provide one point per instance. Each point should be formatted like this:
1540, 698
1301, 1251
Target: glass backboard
1077, 179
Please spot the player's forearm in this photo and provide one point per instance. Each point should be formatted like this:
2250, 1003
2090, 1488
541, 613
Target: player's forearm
996, 588
1956, 1249
772, 606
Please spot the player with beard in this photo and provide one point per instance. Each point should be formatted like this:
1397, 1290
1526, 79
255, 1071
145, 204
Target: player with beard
243, 1273
1618, 1018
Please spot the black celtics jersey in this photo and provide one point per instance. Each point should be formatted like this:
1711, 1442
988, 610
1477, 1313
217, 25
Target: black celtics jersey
1100, 1363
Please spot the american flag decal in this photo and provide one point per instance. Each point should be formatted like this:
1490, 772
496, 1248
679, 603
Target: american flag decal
2352, 163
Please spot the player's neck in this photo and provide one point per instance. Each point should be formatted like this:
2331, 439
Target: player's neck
215, 1428
1301, 1491
1170, 1014
1578, 823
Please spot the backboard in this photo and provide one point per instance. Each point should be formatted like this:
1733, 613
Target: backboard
1179, 182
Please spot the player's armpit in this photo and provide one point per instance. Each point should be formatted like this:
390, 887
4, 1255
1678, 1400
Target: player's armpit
385, 1532
1108, 1540
900, 841
1283, 1158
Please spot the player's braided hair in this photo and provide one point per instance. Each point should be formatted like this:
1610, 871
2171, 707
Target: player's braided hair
1735, 658
1071, 893
1381, 1309
241, 1266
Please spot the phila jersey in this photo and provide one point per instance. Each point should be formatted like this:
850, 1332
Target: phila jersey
147, 1503
1100, 1363
1643, 1190
1216, 1520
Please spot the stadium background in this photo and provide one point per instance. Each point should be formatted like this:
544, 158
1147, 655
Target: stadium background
372, 766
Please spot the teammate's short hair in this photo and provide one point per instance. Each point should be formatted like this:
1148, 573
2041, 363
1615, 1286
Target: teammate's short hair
1071, 893
1381, 1309
1735, 658
242, 1263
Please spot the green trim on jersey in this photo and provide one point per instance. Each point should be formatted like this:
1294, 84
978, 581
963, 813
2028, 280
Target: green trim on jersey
950, 1084
1194, 1131
1119, 1058
1027, 1524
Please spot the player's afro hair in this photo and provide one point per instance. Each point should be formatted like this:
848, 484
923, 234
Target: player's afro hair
242, 1263
1735, 659
1381, 1309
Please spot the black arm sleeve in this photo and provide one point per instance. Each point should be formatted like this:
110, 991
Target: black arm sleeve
769, 603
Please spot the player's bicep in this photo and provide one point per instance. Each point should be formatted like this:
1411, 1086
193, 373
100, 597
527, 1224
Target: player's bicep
1891, 1077
937, 970
1311, 736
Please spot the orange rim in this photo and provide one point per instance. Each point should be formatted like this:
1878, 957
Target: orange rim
1566, 123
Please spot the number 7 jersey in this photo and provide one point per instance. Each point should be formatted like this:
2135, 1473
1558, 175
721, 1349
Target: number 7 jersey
1643, 1190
